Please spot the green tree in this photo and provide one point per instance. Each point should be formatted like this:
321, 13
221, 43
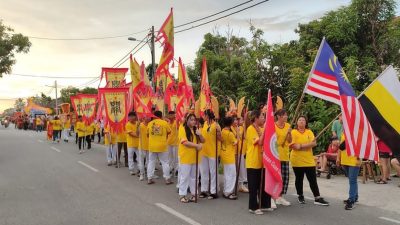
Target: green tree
10, 44
88, 90
19, 105
66, 93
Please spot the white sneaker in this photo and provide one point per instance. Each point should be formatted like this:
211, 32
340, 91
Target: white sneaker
256, 212
267, 209
282, 201
273, 205
141, 178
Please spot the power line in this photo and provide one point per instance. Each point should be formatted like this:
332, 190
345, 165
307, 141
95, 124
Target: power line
201, 24
126, 55
206, 17
47, 76
133, 53
85, 39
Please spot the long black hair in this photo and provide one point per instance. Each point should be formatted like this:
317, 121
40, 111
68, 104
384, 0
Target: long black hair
188, 131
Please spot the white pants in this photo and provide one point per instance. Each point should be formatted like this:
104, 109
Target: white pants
111, 152
173, 157
163, 157
143, 155
131, 163
242, 170
187, 178
207, 167
229, 178
65, 134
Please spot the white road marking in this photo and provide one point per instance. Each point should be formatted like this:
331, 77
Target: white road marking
56, 149
89, 167
177, 214
390, 220
40, 141
306, 197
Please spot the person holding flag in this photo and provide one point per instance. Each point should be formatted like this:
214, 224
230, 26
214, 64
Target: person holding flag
173, 143
81, 129
121, 143
88, 134
302, 160
158, 131
110, 141
66, 128
228, 146
132, 140
143, 147
254, 165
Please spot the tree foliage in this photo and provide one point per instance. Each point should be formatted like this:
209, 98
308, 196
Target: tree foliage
10, 43
364, 35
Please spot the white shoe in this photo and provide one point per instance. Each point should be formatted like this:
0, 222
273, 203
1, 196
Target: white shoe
132, 173
282, 201
80, 152
256, 212
267, 210
141, 178
273, 205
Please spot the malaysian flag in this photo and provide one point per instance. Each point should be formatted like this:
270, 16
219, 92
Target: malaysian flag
328, 81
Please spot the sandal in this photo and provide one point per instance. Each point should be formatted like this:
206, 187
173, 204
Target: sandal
183, 199
381, 182
192, 198
203, 195
230, 196
212, 196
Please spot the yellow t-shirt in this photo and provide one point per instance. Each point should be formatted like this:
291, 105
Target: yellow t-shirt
38, 121
113, 136
210, 137
121, 136
186, 155
97, 128
89, 129
345, 159
283, 150
173, 136
304, 157
254, 151
56, 124
67, 124
158, 131
132, 142
80, 128
143, 138
228, 146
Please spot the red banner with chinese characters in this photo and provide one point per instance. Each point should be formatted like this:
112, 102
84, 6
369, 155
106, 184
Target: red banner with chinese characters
116, 107
115, 77
88, 102
76, 104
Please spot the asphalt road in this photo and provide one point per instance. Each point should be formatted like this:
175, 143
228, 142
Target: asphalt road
45, 183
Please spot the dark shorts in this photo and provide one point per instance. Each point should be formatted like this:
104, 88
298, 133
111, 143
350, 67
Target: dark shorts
384, 155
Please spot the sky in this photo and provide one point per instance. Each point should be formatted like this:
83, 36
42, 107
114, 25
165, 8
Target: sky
103, 18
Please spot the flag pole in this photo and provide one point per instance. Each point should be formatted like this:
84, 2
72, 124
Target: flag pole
239, 155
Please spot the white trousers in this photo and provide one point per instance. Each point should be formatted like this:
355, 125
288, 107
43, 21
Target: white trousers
143, 156
229, 178
173, 157
163, 157
65, 134
187, 178
242, 170
131, 163
111, 152
207, 167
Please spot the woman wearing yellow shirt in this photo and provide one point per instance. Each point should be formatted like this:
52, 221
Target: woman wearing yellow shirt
303, 162
110, 141
143, 147
190, 140
228, 150
66, 127
173, 143
121, 143
81, 129
237, 129
254, 165
284, 138
89, 132
97, 130
352, 167
57, 127
132, 140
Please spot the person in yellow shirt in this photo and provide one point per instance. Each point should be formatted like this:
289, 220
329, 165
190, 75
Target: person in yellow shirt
89, 133
173, 143
57, 127
132, 140
209, 161
303, 162
121, 143
98, 130
254, 165
158, 131
143, 147
110, 141
228, 150
190, 140
39, 126
66, 127
238, 130
81, 129
283, 133
351, 165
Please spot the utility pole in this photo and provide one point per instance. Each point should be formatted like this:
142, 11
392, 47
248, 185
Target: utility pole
153, 56
55, 85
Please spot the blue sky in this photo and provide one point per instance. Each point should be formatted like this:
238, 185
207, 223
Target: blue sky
98, 18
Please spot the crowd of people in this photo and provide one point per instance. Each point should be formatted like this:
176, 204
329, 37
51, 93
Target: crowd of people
192, 149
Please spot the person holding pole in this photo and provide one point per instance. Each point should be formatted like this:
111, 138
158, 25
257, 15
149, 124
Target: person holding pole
190, 140
209, 162
284, 138
303, 162
228, 147
238, 129
132, 140
173, 143
259, 200
81, 129
110, 141
158, 131
66, 128
143, 147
